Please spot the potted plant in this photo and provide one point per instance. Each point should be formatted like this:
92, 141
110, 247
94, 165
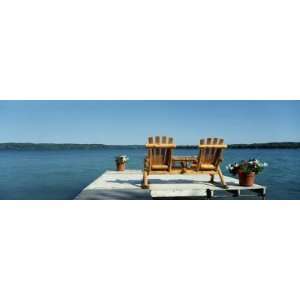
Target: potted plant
121, 162
246, 170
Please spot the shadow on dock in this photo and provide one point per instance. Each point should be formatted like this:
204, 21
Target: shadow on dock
127, 185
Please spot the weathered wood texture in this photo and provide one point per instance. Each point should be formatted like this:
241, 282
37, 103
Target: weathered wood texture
160, 160
211, 156
159, 156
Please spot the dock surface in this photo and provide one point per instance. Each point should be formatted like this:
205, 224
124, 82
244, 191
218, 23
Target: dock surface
127, 185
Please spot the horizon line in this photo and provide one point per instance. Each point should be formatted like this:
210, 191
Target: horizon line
102, 144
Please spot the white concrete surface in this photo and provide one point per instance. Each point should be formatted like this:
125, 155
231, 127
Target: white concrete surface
127, 185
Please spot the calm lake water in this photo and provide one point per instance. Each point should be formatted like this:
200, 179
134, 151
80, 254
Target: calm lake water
63, 174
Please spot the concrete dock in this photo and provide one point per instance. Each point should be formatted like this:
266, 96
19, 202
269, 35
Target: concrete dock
127, 185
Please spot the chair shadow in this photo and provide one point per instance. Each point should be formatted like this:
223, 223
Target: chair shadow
171, 181
137, 183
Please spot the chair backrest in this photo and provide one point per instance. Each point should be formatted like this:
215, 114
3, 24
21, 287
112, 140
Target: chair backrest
211, 151
160, 150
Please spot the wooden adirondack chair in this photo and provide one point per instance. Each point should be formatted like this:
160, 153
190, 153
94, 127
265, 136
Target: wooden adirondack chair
210, 158
159, 158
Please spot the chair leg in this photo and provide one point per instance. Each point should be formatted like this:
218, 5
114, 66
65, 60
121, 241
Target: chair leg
212, 178
222, 178
145, 183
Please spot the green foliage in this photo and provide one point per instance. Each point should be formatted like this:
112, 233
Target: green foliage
282, 145
121, 159
247, 167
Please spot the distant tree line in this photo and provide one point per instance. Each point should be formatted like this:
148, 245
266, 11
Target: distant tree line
47, 146
52, 146
274, 145
282, 145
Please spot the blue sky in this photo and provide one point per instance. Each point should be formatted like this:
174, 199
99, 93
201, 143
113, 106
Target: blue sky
130, 122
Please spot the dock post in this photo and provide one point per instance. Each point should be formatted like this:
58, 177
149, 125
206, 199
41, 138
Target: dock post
263, 194
209, 194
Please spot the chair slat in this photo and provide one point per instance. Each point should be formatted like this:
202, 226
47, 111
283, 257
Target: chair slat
164, 150
157, 151
208, 151
213, 151
202, 153
219, 151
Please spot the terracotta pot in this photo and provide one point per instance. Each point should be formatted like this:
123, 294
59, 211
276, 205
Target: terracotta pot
120, 167
247, 179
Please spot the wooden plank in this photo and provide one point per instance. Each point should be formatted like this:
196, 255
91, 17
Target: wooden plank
160, 146
201, 153
164, 150
223, 146
207, 150
219, 152
169, 156
159, 167
157, 159
213, 152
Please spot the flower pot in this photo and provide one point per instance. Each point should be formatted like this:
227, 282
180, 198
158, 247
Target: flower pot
246, 179
120, 167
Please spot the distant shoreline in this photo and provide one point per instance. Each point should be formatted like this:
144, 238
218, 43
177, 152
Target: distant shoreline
69, 146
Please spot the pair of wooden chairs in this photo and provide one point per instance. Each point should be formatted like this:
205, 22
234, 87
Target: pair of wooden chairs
160, 159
